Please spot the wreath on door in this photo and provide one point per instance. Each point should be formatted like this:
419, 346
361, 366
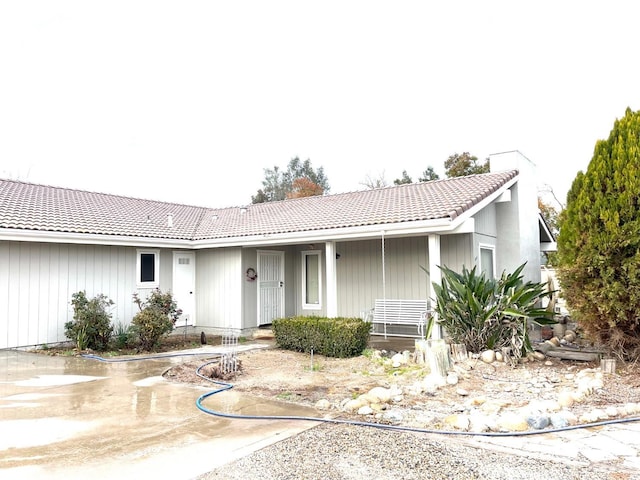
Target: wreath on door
251, 274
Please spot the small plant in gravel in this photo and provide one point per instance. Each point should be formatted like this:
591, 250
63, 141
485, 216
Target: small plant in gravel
122, 336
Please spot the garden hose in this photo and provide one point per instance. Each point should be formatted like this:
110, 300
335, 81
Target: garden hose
224, 386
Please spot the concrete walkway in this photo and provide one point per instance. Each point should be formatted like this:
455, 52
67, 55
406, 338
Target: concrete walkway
68, 417
614, 447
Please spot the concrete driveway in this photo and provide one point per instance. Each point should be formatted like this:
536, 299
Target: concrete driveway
69, 417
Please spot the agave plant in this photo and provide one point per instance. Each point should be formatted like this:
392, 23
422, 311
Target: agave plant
487, 313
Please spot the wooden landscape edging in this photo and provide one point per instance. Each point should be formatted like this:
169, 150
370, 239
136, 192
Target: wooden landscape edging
566, 353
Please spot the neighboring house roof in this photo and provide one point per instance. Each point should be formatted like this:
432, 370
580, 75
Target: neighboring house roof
41, 208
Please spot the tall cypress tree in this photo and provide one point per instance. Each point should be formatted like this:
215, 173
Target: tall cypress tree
599, 241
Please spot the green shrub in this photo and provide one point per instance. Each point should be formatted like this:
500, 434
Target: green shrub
122, 335
157, 316
599, 242
161, 301
91, 325
332, 337
487, 313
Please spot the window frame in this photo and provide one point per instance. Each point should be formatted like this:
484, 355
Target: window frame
318, 255
492, 249
155, 283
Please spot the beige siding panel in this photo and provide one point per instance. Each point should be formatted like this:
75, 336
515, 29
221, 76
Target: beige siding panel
38, 280
360, 266
457, 251
249, 289
4, 296
485, 221
219, 285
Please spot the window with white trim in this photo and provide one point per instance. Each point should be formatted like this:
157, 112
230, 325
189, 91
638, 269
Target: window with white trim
311, 280
148, 268
487, 260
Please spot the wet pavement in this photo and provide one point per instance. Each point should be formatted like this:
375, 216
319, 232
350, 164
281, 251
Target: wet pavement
69, 417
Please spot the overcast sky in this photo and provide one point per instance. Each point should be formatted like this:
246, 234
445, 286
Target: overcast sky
189, 101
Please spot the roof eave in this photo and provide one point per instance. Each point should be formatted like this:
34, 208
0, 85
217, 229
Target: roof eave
18, 235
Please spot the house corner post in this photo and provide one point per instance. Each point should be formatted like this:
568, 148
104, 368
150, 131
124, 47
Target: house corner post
332, 284
434, 276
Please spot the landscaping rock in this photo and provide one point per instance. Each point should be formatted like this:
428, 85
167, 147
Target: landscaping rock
488, 356
323, 404
366, 410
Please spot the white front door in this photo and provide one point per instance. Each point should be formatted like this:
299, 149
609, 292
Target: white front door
270, 286
184, 285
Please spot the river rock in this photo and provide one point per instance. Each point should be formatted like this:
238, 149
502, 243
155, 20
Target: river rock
566, 399
481, 423
538, 422
539, 356
366, 410
512, 422
353, 405
381, 394
323, 404
452, 379
488, 356
393, 416
398, 360
459, 422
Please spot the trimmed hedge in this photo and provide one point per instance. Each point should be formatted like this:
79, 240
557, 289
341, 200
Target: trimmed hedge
332, 337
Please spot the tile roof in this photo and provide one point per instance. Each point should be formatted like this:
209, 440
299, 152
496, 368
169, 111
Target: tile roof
26, 206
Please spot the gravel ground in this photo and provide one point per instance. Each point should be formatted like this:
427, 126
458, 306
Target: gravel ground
337, 452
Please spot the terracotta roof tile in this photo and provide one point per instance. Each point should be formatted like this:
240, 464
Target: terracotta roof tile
28, 206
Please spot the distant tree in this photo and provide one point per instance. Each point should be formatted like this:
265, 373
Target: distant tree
304, 187
550, 215
404, 180
599, 242
428, 175
379, 182
278, 184
460, 165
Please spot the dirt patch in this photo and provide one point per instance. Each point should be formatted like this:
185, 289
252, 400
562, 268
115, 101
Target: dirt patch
295, 377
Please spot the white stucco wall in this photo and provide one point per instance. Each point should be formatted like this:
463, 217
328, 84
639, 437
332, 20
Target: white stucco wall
517, 221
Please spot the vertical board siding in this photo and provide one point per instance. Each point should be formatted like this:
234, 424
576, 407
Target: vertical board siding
359, 272
37, 281
219, 288
249, 289
457, 251
5, 258
485, 221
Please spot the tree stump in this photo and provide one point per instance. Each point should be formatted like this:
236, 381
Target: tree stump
420, 352
459, 352
438, 355
608, 365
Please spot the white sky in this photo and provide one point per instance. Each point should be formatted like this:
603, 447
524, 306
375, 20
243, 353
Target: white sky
188, 101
